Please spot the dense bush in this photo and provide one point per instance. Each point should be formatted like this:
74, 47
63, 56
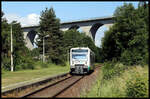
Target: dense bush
137, 86
6, 63
129, 57
111, 69
25, 63
32, 64
42, 65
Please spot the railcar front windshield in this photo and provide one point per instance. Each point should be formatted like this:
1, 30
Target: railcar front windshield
80, 50
79, 56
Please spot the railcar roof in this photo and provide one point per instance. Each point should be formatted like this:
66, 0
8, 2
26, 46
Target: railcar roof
82, 48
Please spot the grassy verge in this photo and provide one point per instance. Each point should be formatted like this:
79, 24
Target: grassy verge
9, 78
97, 64
121, 85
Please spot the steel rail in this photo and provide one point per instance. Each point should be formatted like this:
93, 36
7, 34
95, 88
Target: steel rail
41, 82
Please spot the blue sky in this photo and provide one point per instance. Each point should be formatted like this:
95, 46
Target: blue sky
28, 13
66, 11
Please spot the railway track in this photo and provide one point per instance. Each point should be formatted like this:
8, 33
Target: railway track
25, 88
54, 89
59, 87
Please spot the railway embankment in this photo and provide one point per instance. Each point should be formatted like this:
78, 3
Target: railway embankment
120, 81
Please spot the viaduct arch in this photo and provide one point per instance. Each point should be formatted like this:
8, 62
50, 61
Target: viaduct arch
89, 26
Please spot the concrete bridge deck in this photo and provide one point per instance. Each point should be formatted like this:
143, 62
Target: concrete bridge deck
88, 26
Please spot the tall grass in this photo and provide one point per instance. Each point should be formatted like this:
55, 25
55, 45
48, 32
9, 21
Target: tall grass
137, 85
115, 83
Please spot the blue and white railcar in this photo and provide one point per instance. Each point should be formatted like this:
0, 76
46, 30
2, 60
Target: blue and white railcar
81, 60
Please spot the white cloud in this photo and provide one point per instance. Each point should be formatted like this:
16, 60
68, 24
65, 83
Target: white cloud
29, 20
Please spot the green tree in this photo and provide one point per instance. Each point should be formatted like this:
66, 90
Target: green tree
73, 38
20, 52
5, 53
19, 48
127, 40
50, 25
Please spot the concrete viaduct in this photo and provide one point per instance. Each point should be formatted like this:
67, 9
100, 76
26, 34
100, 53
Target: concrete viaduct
89, 26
